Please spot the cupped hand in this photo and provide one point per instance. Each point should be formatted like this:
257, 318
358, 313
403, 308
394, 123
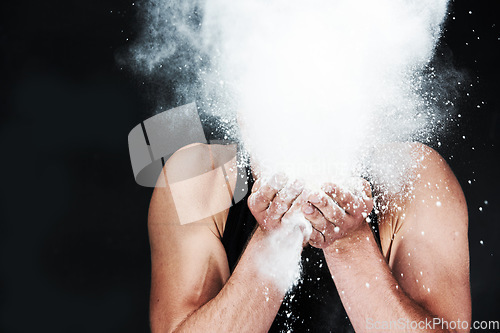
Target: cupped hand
335, 212
272, 198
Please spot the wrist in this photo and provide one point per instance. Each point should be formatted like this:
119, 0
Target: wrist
275, 256
360, 237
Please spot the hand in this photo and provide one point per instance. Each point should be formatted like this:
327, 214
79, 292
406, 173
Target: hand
335, 213
271, 200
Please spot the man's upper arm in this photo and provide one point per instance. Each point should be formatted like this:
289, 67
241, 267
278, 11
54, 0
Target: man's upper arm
430, 255
189, 265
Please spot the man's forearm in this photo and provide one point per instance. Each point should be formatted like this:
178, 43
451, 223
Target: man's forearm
367, 288
247, 302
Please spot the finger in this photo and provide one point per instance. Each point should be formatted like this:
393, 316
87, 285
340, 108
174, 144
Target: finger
277, 181
256, 185
314, 216
260, 199
327, 207
317, 238
366, 188
284, 200
367, 197
350, 203
355, 205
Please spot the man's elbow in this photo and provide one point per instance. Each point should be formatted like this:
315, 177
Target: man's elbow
164, 324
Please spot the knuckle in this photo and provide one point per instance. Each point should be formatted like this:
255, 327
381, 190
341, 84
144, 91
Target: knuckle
279, 200
278, 206
323, 202
273, 211
281, 208
267, 192
261, 198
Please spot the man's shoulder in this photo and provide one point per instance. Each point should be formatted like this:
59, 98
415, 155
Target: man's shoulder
429, 167
199, 158
193, 155
407, 163
427, 184
194, 183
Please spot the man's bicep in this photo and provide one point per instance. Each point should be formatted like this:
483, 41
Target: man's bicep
188, 261
189, 267
430, 256
434, 275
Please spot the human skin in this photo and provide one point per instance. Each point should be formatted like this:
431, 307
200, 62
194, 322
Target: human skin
425, 276
421, 273
191, 289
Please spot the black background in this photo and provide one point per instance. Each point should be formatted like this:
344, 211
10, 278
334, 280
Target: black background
74, 253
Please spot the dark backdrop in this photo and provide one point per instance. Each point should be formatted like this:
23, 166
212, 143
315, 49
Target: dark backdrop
74, 254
